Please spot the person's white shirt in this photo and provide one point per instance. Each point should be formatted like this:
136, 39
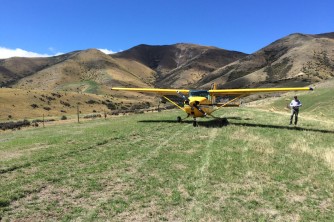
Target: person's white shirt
295, 103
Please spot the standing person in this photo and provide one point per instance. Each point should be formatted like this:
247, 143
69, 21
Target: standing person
295, 104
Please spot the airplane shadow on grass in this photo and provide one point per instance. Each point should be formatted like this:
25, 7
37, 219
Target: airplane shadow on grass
216, 123
213, 123
209, 124
283, 127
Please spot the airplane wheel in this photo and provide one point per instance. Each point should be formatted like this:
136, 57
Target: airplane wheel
195, 124
178, 119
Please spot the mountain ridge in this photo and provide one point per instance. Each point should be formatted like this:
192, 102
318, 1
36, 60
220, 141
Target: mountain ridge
298, 58
86, 76
174, 64
294, 58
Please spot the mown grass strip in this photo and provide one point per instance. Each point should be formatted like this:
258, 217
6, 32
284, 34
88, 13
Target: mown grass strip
147, 167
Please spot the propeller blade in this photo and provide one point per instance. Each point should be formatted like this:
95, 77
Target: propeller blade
183, 96
199, 109
186, 100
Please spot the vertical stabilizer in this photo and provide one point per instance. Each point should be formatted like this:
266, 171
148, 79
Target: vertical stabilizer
213, 98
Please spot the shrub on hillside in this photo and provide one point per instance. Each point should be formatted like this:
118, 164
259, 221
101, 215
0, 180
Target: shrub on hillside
34, 106
109, 105
65, 103
40, 120
14, 125
49, 98
56, 95
91, 101
92, 116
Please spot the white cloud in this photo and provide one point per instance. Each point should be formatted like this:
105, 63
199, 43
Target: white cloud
8, 53
106, 51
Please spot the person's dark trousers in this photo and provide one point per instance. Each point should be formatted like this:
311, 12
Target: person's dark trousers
294, 112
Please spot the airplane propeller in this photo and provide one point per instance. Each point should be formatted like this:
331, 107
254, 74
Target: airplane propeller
198, 108
186, 99
195, 104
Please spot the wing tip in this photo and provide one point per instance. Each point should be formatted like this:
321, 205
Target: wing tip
311, 89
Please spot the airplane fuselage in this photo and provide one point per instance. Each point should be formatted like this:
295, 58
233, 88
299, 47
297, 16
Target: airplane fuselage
198, 106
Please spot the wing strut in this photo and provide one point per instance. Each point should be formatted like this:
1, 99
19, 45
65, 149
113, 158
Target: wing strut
173, 103
238, 97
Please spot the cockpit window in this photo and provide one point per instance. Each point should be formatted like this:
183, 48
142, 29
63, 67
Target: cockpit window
199, 93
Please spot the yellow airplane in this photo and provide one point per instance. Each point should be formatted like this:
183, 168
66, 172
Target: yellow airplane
202, 103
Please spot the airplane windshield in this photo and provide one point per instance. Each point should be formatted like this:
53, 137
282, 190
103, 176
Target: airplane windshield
199, 93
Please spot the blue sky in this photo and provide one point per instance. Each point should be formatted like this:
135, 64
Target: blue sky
50, 27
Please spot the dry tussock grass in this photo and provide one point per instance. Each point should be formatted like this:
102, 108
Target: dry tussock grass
17, 103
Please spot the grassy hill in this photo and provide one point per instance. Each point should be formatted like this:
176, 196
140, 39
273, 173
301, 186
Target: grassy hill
148, 167
317, 104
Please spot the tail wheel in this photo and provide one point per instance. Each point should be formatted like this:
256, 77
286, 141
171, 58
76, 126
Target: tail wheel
178, 119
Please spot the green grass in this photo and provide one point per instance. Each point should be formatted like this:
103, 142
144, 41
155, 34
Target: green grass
316, 104
89, 86
147, 167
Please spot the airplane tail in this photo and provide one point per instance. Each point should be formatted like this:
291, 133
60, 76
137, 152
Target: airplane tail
213, 98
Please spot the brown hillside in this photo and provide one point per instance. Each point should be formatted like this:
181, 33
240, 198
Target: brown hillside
180, 65
13, 69
296, 60
19, 104
325, 35
87, 71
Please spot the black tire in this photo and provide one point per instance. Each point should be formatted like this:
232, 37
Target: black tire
195, 124
178, 119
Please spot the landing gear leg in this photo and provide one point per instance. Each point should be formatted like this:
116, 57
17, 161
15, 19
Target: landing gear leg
195, 124
179, 119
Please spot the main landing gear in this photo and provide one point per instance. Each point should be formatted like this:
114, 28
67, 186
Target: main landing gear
195, 124
179, 120
219, 121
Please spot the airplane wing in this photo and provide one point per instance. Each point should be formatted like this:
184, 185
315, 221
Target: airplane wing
154, 90
216, 92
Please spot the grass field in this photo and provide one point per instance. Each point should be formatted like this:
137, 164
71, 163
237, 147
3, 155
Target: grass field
147, 167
